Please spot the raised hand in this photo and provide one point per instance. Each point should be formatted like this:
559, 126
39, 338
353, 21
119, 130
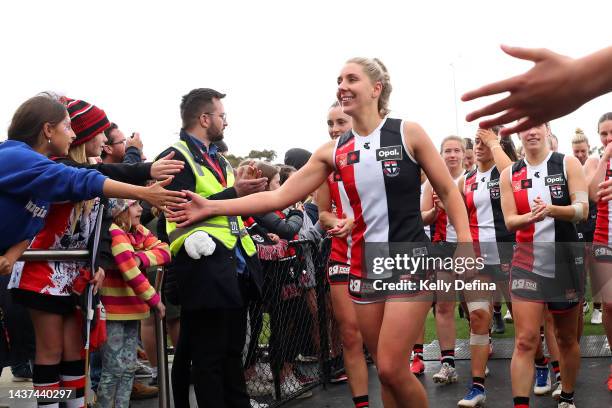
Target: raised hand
488, 137
165, 167
551, 89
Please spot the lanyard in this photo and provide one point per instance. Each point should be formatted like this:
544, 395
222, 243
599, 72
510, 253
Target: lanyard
216, 168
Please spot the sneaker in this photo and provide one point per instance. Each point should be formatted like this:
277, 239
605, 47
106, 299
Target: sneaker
142, 371
585, 308
565, 405
306, 359
596, 316
142, 391
508, 317
474, 398
556, 394
259, 388
22, 373
499, 327
339, 377
417, 367
542, 384
255, 404
446, 375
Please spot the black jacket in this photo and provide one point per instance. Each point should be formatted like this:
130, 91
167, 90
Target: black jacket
211, 282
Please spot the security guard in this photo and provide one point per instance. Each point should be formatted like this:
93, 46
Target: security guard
215, 281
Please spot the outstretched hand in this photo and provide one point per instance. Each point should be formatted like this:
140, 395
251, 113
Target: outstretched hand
165, 167
159, 197
185, 214
547, 91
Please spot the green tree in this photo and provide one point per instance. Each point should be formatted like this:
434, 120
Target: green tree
268, 155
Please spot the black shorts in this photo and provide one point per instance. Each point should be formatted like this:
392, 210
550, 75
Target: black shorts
61, 305
338, 273
368, 290
497, 273
560, 293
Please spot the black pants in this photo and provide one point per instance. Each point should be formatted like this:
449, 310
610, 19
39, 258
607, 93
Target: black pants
215, 339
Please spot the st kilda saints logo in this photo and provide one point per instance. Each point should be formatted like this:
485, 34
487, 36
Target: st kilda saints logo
390, 168
494, 191
556, 191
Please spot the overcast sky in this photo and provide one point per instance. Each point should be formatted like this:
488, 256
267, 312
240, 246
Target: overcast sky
278, 60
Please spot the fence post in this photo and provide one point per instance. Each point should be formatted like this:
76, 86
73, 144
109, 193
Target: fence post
324, 366
162, 356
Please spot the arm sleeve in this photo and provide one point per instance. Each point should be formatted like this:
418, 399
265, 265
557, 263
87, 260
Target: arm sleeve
284, 228
132, 156
43, 179
137, 173
155, 253
124, 255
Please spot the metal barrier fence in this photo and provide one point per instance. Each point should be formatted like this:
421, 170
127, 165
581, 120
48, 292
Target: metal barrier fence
288, 347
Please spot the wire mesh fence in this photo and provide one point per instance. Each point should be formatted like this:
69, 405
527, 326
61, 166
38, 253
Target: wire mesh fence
288, 341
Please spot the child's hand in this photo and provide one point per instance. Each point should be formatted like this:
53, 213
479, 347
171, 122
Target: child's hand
6, 266
97, 280
160, 310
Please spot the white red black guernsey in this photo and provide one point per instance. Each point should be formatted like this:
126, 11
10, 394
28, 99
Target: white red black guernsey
444, 231
340, 246
483, 201
548, 180
603, 226
382, 185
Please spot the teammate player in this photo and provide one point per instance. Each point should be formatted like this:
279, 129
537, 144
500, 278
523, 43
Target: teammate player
597, 172
543, 196
330, 198
481, 191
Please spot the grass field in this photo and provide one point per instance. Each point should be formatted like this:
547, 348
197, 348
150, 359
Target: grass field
461, 327
463, 331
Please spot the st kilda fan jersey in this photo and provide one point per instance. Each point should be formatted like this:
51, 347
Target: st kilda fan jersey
548, 180
487, 226
603, 227
383, 189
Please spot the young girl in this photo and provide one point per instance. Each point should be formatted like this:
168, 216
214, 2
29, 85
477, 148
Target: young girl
45, 288
127, 296
379, 162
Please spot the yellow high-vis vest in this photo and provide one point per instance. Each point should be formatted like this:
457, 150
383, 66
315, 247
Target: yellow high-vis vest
219, 227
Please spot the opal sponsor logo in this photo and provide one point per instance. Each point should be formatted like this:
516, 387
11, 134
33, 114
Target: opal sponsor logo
389, 153
555, 179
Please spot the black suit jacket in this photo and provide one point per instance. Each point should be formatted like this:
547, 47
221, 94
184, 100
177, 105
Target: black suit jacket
211, 281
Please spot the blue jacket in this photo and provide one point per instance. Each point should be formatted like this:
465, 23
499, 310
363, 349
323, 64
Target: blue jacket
29, 182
